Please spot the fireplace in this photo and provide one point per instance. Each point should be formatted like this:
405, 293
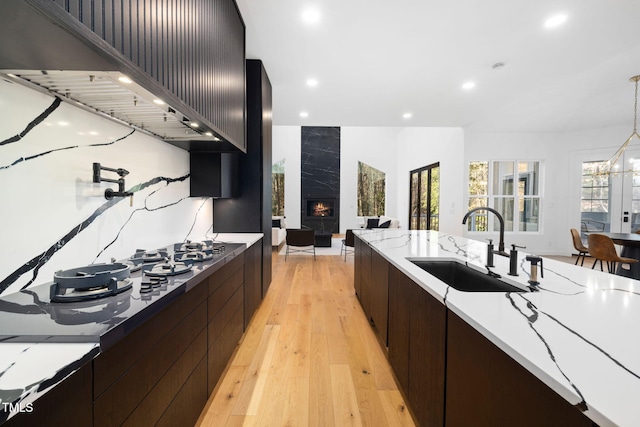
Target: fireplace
320, 208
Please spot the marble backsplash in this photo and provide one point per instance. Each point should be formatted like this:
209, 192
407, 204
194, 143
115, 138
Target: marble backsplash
53, 216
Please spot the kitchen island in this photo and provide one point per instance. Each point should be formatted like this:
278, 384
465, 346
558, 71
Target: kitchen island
573, 338
187, 327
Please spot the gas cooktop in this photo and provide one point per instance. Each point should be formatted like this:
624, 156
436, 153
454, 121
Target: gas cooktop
92, 303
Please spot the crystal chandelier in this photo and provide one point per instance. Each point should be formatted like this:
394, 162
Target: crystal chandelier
611, 166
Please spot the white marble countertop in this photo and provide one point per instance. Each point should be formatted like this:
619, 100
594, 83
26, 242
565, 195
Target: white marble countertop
29, 370
578, 333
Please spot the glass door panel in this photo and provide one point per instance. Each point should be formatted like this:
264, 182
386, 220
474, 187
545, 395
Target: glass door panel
434, 206
611, 203
424, 198
413, 209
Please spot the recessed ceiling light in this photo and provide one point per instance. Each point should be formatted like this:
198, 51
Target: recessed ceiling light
124, 79
407, 115
194, 124
311, 16
208, 134
63, 124
304, 114
93, 132
159, 101
468, 85
312, 82
555, 21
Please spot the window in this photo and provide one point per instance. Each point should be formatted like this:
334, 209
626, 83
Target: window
510, 187
424, 212
371, 190
277, 189
594, 197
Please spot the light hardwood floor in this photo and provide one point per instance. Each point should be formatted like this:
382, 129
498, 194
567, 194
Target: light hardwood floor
308, 357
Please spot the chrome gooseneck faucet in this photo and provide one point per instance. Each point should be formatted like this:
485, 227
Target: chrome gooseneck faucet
500, 250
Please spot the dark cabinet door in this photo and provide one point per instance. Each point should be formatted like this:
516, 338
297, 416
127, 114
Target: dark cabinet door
214, 175
365, 280
54, 408
417, 334
379, 300
252, 280
357, 262
427, 340
399, 305
486, 387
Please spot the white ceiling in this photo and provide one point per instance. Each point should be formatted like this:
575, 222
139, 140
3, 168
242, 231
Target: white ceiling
377, 59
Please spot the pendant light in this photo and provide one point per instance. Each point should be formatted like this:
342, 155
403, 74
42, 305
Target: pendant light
611, 167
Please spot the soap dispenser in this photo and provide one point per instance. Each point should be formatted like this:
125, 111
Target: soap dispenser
533, 277
490, 254
513, 260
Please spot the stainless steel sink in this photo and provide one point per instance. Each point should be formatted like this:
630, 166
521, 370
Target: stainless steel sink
464, 278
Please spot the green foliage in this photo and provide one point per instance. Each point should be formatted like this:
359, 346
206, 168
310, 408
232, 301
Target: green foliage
277, 189
371, 190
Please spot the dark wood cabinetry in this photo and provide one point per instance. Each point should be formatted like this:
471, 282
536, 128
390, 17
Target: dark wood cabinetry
163, 371
379, 295
486, 387
252, 281
427, 346
55, 408
148, 369
371, 276
250, 212
225, 318
357, 265
417, 336
449, 373
214, 175
191, 53
399, 304
195, 50
363, 271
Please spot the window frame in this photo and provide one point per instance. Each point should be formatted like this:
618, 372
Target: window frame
493, 195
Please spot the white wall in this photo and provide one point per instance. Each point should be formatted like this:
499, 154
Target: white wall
287, 146
376, 147
419, 147
47, 191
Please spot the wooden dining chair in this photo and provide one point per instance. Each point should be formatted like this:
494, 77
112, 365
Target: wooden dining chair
579, 246
297, 239
601, 248
347, 242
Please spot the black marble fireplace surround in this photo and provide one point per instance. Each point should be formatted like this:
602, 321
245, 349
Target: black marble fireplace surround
320, 179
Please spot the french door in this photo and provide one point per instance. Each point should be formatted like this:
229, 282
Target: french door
611, 202
424, 198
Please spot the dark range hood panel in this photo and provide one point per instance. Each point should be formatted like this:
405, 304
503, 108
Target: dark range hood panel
43, 49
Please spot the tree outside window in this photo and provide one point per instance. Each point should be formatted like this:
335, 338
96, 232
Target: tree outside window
277, 189
510, 187
371, 190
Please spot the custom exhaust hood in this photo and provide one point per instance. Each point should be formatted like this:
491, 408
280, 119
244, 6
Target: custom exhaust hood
115, 96
40, 47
